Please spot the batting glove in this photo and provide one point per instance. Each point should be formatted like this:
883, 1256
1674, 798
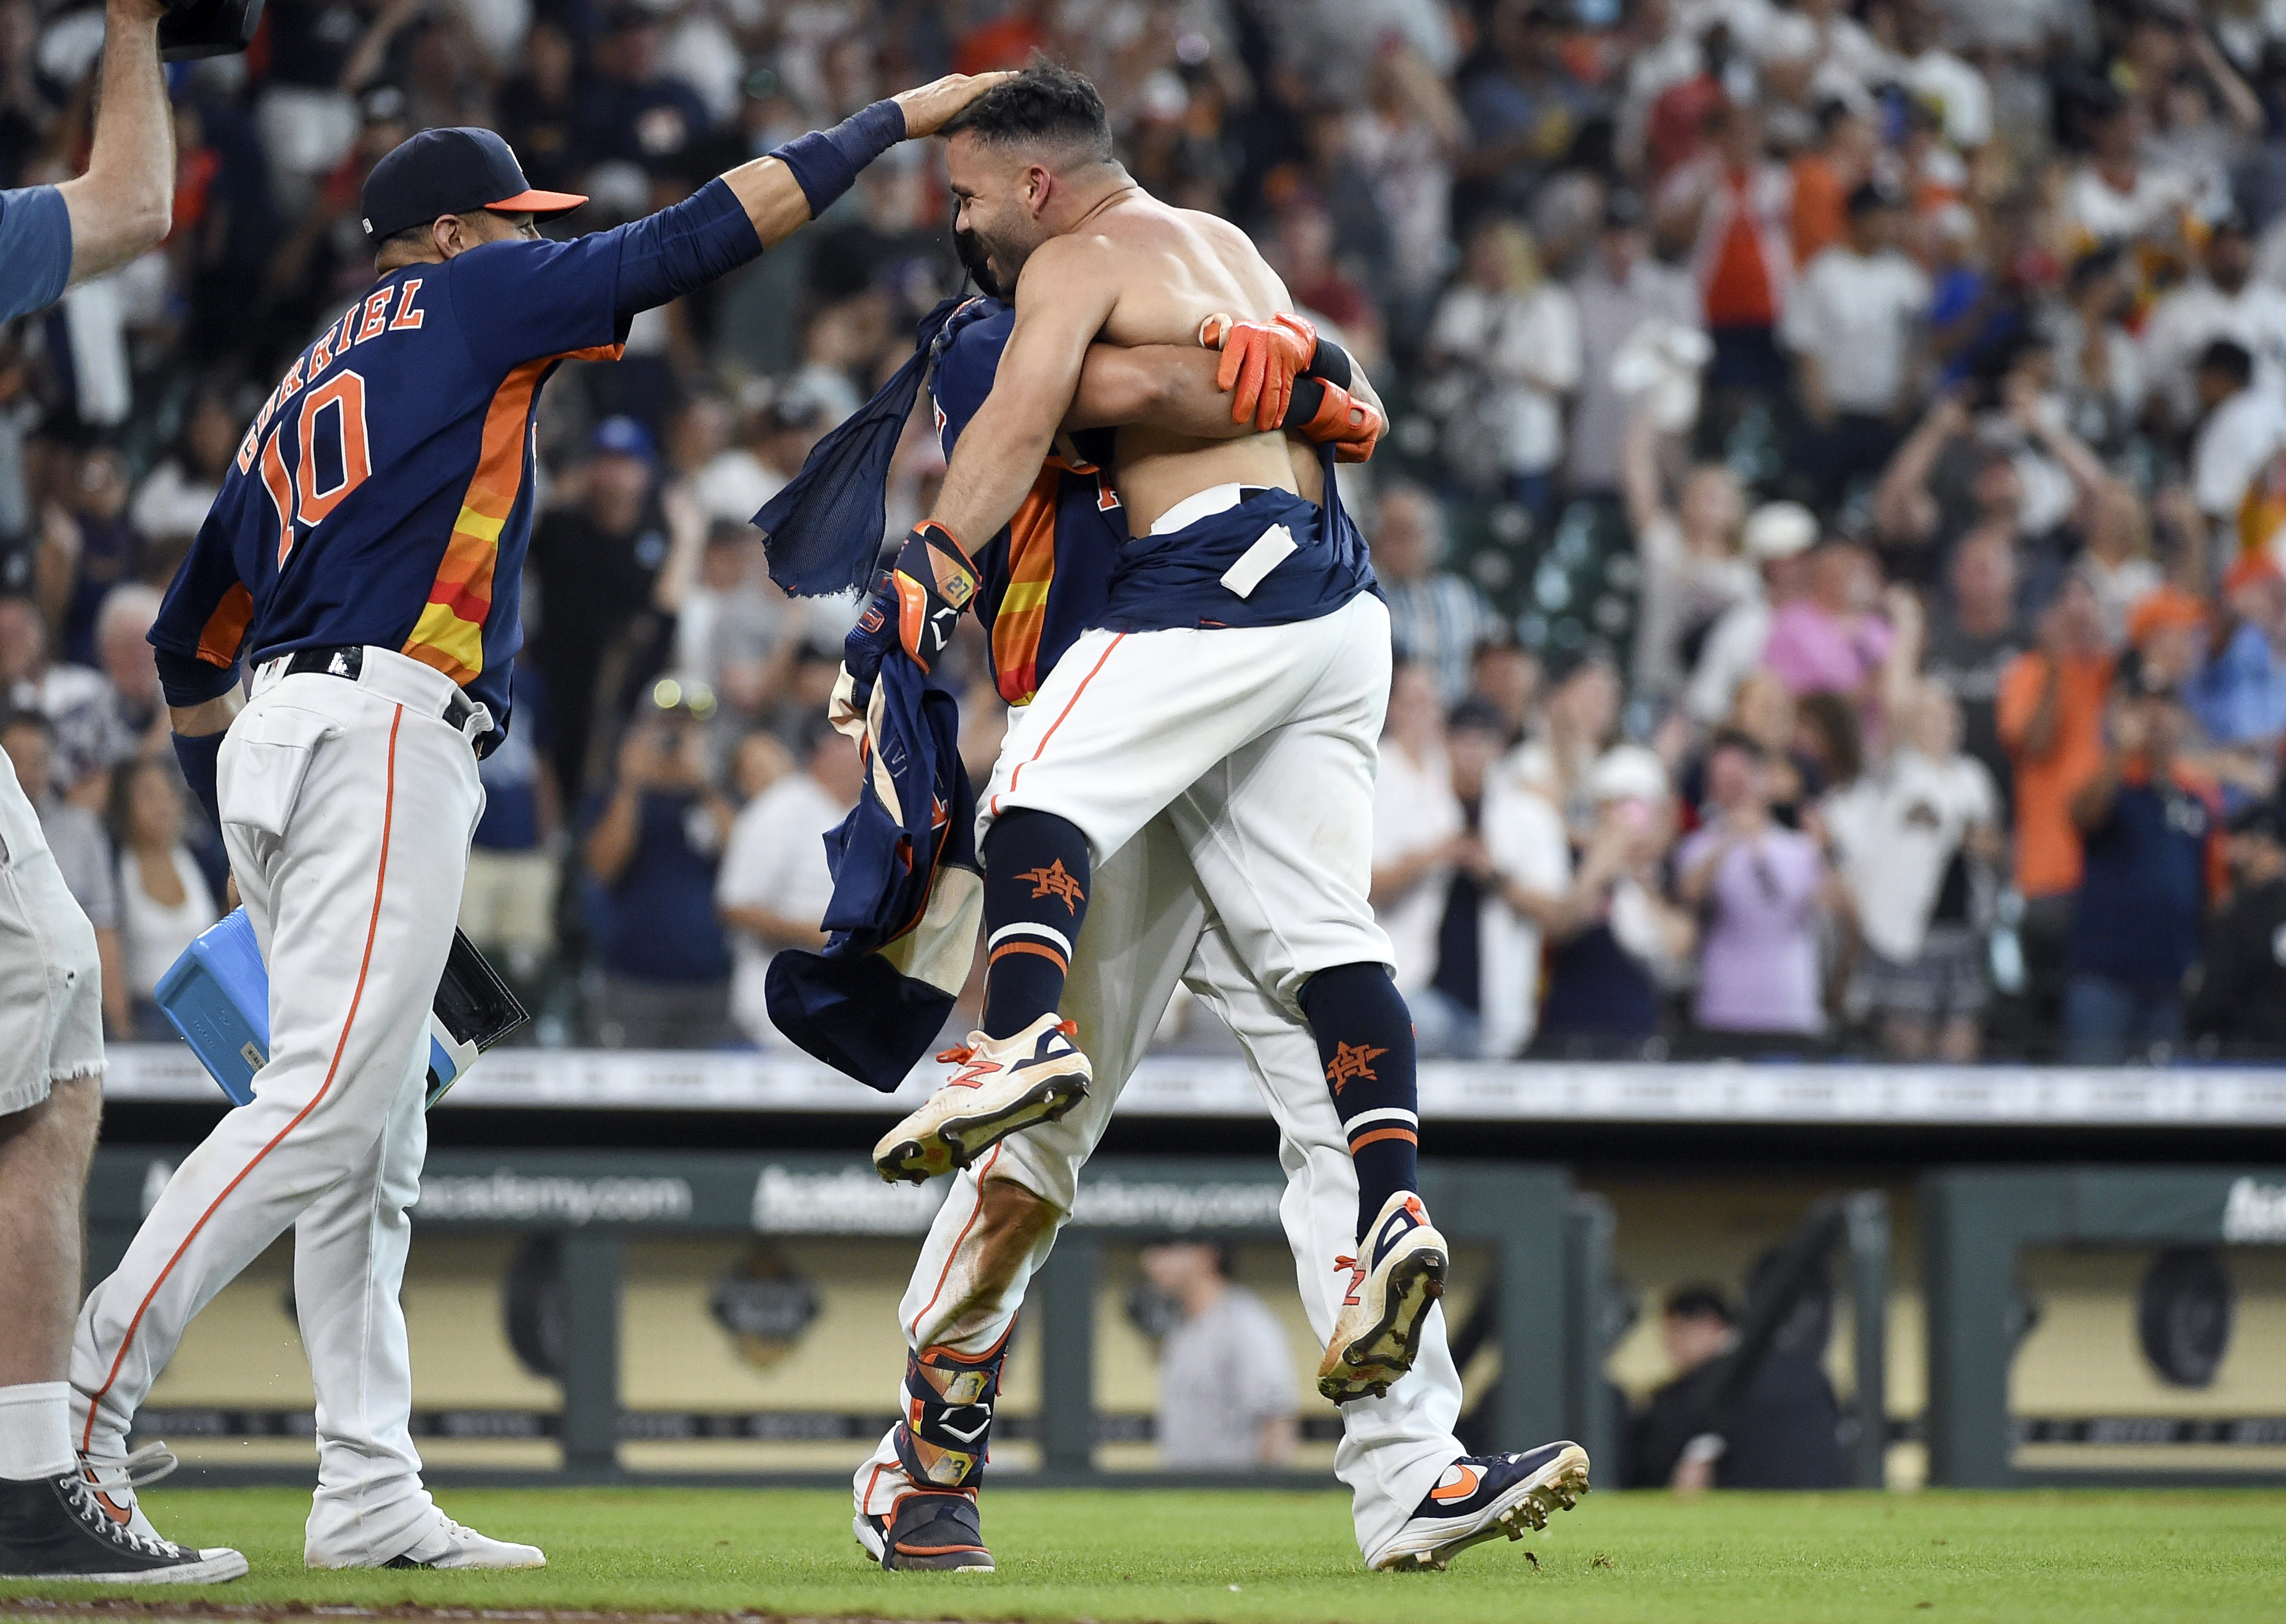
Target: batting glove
1259, 362
1346, 423
933, 581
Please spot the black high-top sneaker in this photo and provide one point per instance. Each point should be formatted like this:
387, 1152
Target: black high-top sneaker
55, 1528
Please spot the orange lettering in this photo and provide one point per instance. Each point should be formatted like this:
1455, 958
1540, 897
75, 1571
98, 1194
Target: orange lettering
376, 316
407, 316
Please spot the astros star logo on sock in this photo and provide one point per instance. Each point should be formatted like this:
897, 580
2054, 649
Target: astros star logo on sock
1352, 1061
1056, 880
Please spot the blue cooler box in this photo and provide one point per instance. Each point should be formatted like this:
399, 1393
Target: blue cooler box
217, 995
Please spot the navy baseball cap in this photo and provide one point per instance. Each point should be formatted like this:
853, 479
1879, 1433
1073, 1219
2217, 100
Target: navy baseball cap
455, 170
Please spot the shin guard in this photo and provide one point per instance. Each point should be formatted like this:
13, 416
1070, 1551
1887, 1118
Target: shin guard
944, 1438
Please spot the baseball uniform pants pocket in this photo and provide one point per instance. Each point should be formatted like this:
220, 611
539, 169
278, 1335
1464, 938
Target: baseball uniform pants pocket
264, 762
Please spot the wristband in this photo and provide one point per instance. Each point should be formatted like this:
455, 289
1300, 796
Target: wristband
186, 680
1331, 362
1303, 406
200, 755
825, 161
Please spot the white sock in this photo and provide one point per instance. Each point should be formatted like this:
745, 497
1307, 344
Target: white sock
35, 1431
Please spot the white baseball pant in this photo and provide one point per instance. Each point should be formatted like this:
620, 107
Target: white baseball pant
1259, 743
1148, 926
347, 809
50, 980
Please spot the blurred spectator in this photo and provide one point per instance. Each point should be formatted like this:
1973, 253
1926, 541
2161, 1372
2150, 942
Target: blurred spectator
1524, 108
2050, 716
1506, 339
1226, 1390
1449, 1010
1620, 943
172, 502
1775, 538
1619, 290
1851, 323
1505, 680
1579, 721
1828, 640
1784, 1433
2152, 840
2238, 994
82, 849
631, 109
1734, 206
1759, 889
2225, 302
164, 901
596, 564
507, 902
1914, 839
1693, 572
653, 839
2241, 429
1974, 635
1418, 834
2239, 694
1435, 616
1828, 176
774, 883
2102, 373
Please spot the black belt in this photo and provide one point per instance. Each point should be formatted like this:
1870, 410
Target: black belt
348, 660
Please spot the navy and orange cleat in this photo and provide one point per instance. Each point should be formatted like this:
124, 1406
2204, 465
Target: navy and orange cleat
1481, 1497
1003, 1086
1392, 1286
927, 1533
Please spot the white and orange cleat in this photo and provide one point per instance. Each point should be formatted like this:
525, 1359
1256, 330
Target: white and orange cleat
1003, 1086
1392, 1286
1482, 1497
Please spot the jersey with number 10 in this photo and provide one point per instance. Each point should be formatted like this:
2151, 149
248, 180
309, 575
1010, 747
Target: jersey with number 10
383, 493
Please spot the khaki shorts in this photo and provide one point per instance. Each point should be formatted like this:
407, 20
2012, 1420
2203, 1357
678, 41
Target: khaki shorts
50, 980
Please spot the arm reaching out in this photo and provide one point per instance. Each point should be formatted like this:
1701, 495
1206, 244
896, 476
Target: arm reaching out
125, 202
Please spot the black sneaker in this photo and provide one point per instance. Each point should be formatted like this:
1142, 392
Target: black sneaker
54, 1528
929, 1533
1481, 1497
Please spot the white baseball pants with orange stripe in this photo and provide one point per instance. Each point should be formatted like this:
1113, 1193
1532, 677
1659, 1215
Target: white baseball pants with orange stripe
1258, 743
1149, 926
347, 808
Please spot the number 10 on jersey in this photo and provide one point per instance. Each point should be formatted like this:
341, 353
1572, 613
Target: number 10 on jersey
332, 459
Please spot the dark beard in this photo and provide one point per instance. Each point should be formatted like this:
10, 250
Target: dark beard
969, 248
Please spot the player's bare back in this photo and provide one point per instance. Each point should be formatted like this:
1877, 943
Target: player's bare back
1165, 269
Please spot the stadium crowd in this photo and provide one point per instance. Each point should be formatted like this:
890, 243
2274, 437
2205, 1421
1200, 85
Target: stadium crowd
1832, 515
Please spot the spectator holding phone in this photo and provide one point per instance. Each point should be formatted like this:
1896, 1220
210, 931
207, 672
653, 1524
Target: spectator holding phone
2151, 832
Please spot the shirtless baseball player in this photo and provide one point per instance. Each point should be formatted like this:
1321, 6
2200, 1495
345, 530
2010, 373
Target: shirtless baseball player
363, 561
1418, 1500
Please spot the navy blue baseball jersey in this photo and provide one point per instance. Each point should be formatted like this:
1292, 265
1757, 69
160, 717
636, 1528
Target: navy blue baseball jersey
383, 493
1044, 579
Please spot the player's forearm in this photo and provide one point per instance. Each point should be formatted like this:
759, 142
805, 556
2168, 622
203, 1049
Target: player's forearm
209, 717
124, 203
1170, 387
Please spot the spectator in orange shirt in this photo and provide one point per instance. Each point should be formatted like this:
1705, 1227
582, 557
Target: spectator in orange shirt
1824, 177
2050, 713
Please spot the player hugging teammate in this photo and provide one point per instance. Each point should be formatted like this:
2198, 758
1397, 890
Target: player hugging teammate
1188, 624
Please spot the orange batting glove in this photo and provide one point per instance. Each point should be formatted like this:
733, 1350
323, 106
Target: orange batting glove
1259, 362
1346, 423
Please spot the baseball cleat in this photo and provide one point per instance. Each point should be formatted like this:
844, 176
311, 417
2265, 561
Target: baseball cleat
453, 1546
55, 1528
926, 1533
1392, 1286
1481, 1497
1003, 1086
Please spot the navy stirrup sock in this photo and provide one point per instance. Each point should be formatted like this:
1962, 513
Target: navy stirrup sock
1036, 880
1365, 1037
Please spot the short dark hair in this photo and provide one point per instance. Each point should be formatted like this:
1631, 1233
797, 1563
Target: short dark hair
1698, 1302
2230, 360
1046, 105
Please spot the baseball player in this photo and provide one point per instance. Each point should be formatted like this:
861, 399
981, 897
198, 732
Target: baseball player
1417, 1498
1236, 680
51, 1061
362, 562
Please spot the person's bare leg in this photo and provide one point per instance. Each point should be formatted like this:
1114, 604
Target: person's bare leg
44, 1153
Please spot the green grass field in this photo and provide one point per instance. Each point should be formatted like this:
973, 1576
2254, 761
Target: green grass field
2082, 1555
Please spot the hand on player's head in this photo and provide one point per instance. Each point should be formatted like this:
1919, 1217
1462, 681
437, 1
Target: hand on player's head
928, 106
